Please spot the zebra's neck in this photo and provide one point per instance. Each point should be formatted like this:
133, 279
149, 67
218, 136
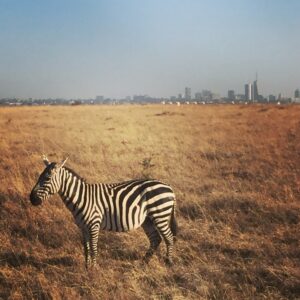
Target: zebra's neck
71, 187
81, 198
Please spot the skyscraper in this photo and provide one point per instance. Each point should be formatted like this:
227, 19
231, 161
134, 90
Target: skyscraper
248, 92
297, 93
188, 93
255, 91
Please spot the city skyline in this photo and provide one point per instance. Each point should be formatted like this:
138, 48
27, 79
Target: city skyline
76, 49
251, 94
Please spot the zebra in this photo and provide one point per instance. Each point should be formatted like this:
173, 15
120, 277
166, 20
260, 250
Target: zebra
118, 207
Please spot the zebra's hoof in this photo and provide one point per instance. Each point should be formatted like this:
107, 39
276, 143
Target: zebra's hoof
168, 262
146, 260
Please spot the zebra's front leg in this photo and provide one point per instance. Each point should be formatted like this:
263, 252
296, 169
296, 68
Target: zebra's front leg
94, 235
86, 246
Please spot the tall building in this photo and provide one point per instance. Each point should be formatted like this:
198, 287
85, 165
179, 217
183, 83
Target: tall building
255, 94
187, 93
231, 95
248, 92
297, 93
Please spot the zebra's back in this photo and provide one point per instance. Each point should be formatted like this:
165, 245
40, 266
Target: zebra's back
127, 204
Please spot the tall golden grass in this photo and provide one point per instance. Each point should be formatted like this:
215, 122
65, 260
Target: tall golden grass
235, 171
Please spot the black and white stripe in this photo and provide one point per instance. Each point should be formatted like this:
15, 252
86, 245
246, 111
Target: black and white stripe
120, 207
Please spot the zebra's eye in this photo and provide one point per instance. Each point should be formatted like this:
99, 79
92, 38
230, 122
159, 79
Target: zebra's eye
48, 176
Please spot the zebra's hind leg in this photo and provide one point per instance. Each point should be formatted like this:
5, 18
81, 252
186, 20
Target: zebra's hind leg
164, 229
153, 236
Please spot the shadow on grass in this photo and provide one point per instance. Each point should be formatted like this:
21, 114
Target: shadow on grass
112, 245
5, 287
232, 252
16, 260
192, 211
121, 254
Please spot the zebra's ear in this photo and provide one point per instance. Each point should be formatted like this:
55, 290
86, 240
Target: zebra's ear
46, 160
62, 163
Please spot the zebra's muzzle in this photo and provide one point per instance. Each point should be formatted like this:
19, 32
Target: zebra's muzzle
34, 199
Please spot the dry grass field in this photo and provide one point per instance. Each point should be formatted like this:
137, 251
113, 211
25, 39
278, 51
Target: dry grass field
235, 171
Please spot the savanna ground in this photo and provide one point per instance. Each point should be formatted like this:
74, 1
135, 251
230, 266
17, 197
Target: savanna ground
234, 169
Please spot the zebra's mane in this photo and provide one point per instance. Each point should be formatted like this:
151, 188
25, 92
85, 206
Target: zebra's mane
75, 174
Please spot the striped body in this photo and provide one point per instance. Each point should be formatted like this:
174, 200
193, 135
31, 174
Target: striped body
116, 207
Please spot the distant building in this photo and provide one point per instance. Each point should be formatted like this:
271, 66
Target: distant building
99, 99
297, 96
140, 98
248, 92
179, 97
198, 96
215, 96
231, 95
279, 97
272, 98
240, 97
207, 95
187, 93
255, 94
261, 98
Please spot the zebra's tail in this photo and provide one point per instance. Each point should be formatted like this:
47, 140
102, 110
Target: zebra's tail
173, 223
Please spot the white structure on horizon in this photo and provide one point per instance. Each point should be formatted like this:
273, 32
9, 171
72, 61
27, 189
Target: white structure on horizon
248, 92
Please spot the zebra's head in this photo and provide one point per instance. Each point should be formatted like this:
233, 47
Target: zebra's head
48, 182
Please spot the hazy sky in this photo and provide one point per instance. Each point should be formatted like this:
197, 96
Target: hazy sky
115, 48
